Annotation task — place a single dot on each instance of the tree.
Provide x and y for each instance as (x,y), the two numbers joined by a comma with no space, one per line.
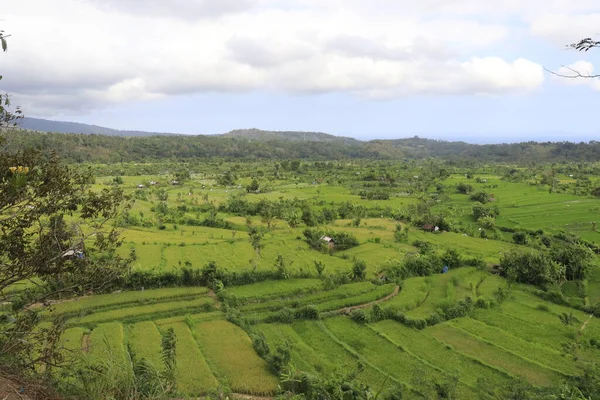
(532,266)
(253,186)
(255,236)
(464,188)
(55,236)
(359,270)
(320,267)
(7,118)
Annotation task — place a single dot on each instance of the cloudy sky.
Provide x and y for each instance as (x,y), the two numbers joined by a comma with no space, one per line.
(452,69)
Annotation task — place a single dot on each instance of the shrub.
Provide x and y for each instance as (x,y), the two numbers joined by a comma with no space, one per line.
(377,313)
(482,303)
(464,188)
(520,238)
(307,312)
(452,258)
(358,315)
(259,342)
(285,315)
(481,197)
(359,269)
(280,358)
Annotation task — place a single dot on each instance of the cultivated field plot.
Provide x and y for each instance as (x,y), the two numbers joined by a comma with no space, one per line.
(229,349)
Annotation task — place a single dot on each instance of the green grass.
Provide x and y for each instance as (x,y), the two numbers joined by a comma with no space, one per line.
(192,373)
(422,345)
(412,294)
(542,355)
(118,300)
(106,341)
(71,342)
(200,317)
(340,292)
(230,349)
(377,293)
(330,356)
(378,352)
(147,312)
(491,355)
(304,357)
(145,339)
(270,289)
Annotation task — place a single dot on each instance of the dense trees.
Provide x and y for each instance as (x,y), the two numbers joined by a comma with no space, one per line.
(113,149)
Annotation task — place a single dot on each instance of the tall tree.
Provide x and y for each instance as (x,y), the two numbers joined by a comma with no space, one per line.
(55,240)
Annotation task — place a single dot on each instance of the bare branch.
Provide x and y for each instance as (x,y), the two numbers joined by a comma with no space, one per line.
(576,73)
(582,45)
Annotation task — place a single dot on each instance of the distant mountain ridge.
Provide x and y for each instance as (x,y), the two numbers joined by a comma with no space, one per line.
(45,125)
(292,136)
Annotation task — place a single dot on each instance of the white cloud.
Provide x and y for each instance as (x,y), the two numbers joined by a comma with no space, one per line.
(84,54)
(179,9)
(581,73)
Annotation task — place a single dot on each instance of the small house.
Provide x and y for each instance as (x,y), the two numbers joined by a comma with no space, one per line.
(140,186)
(174,183)
(428,227)
(330,242)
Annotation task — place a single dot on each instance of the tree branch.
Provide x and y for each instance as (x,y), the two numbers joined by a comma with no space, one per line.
(576,73)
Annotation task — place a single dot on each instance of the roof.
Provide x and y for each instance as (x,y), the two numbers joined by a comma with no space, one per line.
(327,239)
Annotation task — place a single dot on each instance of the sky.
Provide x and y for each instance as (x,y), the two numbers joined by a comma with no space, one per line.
(468,70)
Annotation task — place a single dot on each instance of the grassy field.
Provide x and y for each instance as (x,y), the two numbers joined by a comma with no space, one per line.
(193,374)
(229,349)
(521,338)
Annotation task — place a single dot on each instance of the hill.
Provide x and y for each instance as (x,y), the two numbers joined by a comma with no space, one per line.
(291,136)
(46,125)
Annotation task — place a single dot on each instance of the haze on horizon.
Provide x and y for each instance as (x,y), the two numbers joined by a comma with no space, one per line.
(445,69)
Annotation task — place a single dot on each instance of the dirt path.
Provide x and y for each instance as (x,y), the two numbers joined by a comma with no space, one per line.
(347,310)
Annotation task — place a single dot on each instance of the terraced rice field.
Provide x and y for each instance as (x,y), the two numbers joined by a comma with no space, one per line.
(497,346)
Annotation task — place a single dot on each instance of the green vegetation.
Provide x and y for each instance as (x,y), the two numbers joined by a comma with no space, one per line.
(168,267)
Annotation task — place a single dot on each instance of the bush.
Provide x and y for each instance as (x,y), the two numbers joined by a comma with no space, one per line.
(483,303)
(259,342)
(520,238)
(285,315)
(307,312)
(452,258)
(481,197)
(464,188)
(359,270)
(358,315)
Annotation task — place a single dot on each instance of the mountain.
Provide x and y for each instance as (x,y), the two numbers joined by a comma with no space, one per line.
(46,125)
(290,136)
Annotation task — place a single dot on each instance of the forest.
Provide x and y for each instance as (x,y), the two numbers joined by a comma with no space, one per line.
(115,149)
